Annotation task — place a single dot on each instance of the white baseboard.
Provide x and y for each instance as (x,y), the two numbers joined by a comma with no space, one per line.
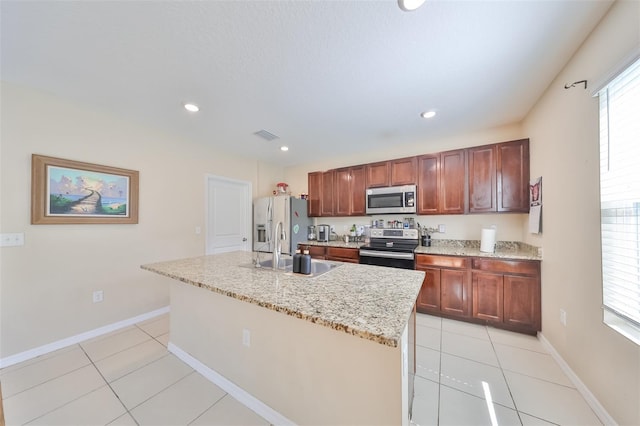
(54,346)
(244,397)
(593,402)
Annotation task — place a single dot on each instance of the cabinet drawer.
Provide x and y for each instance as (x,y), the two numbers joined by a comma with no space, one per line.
(523,267)
(344,253)
(442,261)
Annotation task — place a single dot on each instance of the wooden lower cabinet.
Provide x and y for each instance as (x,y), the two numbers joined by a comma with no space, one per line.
(522,302)
(488,296)
(343,254)
(501,293)
(446,286)
(316,252)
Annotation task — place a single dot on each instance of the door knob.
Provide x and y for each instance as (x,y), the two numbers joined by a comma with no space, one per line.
(244,239)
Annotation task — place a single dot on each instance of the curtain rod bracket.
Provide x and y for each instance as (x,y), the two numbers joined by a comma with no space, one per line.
(569,86)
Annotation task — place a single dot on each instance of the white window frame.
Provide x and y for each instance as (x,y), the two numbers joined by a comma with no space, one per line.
(619,284)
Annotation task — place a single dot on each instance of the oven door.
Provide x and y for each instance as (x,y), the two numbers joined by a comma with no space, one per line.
(393,259)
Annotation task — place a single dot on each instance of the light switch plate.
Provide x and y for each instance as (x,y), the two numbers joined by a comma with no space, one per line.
(12,240)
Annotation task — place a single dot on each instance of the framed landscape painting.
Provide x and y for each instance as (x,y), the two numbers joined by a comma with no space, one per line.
(73,192)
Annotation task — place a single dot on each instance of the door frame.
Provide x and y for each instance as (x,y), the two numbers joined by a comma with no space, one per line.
(248,187)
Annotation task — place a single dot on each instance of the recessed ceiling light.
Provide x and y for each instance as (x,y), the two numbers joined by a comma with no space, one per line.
(191,107)
(284,148)
(428,114)
(410,5)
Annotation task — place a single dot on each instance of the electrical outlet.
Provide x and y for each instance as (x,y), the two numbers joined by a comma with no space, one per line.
(442,229)
(563,317)
(198,230)
(540,251)
(98,296)
(332,228)
(246,337)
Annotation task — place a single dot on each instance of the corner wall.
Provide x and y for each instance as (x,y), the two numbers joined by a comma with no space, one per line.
(46,285)
(564,132)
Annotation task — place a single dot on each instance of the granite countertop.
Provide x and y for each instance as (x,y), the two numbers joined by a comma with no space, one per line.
(471,248)
(371,302)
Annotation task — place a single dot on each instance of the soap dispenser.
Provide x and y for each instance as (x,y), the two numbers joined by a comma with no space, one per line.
(305,263)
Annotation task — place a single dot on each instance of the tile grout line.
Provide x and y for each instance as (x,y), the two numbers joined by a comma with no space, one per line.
(504,377)
(46,381)
(68,402)
(209,407)
(112,390)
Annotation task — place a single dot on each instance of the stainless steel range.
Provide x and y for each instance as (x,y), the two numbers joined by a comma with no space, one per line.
(391,247)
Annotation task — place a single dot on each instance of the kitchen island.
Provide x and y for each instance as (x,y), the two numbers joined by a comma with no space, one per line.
(332,349)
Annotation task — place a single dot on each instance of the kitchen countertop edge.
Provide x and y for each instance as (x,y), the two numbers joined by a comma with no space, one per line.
(391,340)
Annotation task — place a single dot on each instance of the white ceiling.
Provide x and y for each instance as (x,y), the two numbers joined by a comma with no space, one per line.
(327,77)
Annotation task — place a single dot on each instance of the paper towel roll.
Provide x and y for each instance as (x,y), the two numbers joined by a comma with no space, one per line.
(488,240)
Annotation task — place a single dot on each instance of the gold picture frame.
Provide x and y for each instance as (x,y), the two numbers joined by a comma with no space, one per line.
(74,192)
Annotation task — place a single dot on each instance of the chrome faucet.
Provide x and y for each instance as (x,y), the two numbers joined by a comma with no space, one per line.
(277,247)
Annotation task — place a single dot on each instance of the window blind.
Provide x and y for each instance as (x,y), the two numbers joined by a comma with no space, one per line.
(620,196)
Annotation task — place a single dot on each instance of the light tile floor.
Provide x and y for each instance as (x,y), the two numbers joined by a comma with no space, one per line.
(461,366)
(123,378)
(127,377)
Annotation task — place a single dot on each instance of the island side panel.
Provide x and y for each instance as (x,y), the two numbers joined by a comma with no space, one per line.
(309,373)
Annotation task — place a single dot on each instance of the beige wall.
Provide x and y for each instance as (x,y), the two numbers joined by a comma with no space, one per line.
(510,226)
(46,285)
(321,376)
(563,128)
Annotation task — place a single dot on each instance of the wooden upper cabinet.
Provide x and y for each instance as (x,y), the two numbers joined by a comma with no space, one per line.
(342,192)
(377,174)
(349,192)
(327,198)
(513,176)
(482,179)
(441,183)
(358,190)
(499,177)
(315,193)
(403,171)
(428,184)
(452,182)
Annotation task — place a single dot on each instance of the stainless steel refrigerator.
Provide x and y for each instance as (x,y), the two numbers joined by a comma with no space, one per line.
(268,211)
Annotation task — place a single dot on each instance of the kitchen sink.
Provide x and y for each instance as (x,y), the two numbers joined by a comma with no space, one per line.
(318,267)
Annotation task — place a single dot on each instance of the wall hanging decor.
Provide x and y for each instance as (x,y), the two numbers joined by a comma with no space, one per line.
(73,192)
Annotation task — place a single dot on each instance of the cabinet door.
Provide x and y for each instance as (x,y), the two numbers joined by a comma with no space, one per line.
(454,292)
(482,179)
(488,296)
(358,189)
(522,302)
(513,176)
(342,192)
(452,182)
(315,193)
(326,200)
(403,171)
(429,297)
(428,184)
(377,174)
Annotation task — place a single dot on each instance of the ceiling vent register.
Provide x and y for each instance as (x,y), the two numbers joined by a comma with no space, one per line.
(266,135)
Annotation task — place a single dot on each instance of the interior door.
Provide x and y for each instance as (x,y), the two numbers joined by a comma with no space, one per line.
(228,215)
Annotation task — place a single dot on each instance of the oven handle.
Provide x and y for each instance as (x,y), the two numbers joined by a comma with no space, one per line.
(387,254)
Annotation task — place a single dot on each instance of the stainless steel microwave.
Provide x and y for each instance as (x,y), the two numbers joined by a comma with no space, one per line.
(392,199)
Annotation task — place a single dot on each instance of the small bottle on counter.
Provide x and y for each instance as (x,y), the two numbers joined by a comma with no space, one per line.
(297,261)
(305,263)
